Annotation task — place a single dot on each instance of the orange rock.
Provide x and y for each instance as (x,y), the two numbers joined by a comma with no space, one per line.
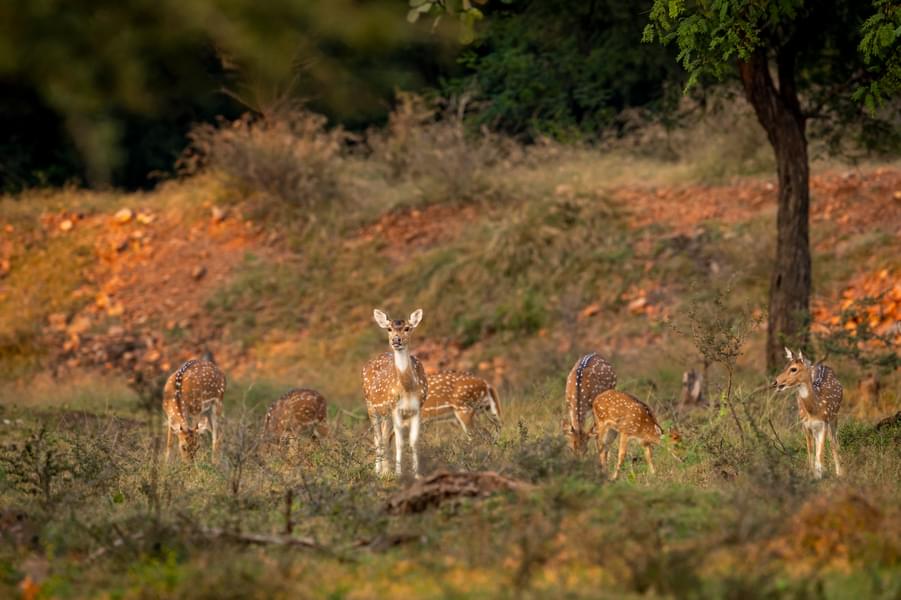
(124,215)
(637,306)
(590,310)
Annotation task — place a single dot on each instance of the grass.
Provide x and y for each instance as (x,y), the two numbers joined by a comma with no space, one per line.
(116,522)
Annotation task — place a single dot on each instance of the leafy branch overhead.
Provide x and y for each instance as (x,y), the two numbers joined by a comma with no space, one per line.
(463,10)
(881,49)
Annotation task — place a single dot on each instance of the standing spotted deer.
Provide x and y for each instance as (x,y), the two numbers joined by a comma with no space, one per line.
(395,388)
(590,376)
(618,412)
(192,402)
(819,399)
(296,412)
(460,396)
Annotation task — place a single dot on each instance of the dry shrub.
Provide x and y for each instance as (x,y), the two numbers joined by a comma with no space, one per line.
(431,145)
(717,140)
(835,529)
(286,154)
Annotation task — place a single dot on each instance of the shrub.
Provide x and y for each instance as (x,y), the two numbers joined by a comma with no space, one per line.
(287,154)
(431,146)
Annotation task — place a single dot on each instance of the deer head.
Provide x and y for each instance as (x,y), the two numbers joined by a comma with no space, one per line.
(795,373)
(399,331)
(577,440)
(189,439)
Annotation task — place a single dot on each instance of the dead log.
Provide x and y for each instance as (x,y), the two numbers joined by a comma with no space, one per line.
(444,486)
(888,422)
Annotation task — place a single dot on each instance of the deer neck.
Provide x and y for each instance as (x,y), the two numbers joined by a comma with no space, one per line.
(403,367)
(806,394)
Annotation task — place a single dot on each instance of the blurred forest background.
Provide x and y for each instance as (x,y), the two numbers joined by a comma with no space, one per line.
(105,93)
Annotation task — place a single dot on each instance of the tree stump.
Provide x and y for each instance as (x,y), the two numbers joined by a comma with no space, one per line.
(868,392)
(692,389)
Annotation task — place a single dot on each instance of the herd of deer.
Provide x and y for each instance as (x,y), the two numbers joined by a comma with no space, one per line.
(400,397)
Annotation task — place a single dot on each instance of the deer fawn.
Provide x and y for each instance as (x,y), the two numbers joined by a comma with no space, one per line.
(618,412)
(590,376)
(460,396)
(395,387)
(819,398)
(296,412)
(192,401)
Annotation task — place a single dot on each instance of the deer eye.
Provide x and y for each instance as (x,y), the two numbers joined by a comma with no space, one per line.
(407,329)
(793,369)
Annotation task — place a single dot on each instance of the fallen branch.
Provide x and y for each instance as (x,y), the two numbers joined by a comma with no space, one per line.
(260,538)
(443,486)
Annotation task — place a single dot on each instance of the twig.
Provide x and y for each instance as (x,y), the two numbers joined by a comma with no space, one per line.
(781,446)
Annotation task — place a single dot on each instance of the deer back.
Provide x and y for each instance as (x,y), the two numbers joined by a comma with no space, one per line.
(295,410)
(826,399)
(590,376)
(196,387)
(626,414)
(452,391)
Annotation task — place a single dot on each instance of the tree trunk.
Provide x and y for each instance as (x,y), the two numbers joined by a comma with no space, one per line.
(779,112)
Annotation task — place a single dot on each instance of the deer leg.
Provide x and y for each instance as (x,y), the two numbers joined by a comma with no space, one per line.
(215,416)
(808,437)
(608,438)
(820,442)
(414,440)
(379,442)
(602,449)
(621,455)
(398,441)
(647,455)
(464,418)
(214,433)
(833,444)
(168,441)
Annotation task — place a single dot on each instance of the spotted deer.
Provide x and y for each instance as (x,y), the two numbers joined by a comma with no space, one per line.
(460,396)
(819,400)
(620,413)
(192,402)
(395,388)
(296,412)
(590,376)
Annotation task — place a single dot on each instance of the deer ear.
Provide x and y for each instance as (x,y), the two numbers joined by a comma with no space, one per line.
(381,318)
(789,355)
(802,359)
(416,317)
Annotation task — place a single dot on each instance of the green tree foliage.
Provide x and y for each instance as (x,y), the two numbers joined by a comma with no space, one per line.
(564,68)
(134,74)
(796,61)
(881,48)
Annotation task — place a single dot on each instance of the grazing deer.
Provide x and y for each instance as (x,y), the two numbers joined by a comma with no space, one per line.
(819,399)
(192,401)
(297,411)
(460,396)
(590,376)
(618,412)
(395,388)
